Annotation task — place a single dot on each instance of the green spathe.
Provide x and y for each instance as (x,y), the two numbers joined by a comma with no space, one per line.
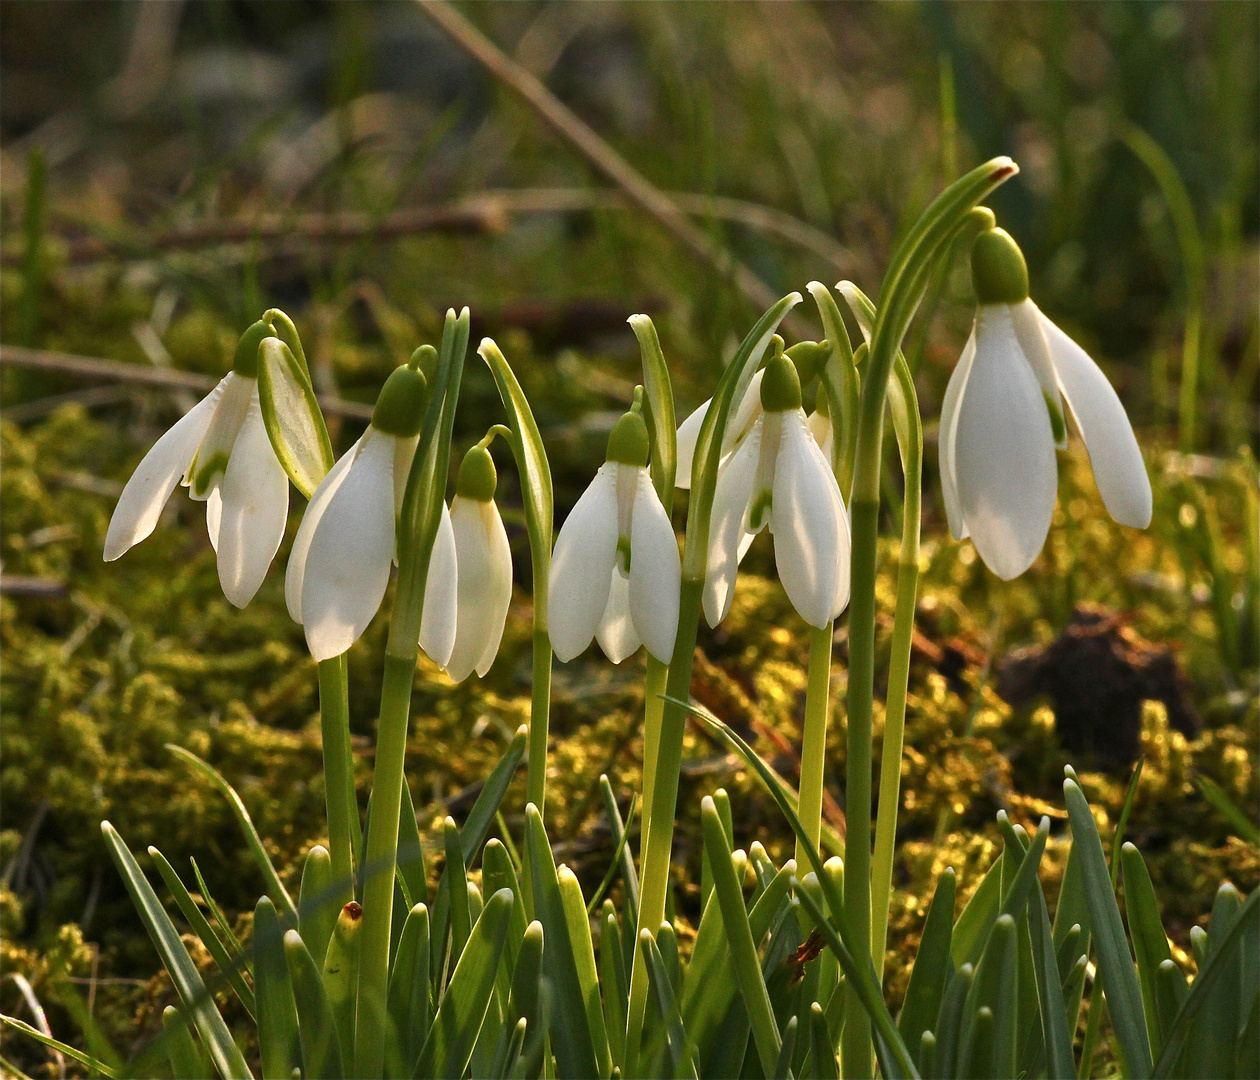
(780,386)
(400,408)
(998,270)
(245,362)
(628,441)
(477,476)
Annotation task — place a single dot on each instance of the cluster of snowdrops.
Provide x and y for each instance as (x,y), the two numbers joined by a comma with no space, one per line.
(370,972)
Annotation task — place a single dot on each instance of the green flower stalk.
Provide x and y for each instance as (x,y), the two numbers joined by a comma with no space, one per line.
(903,285)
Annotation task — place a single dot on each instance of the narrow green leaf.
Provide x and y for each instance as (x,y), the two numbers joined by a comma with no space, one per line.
(1216,1028)
(1239,820)
(56,1044)
(579,927)
(826,1067)
(949,1022)
(571,1040)
(292,416)
(739,936)
(1247,1055)
(1115,963)
(1150,943)
(932,964)
(341,977)
(215,946)
(410,1002)
(1056,1026)
(991,1052)
(927,1054)
(659,399)
(841,384)
(186,1060)
(515,1044)
(783,1063)
(498,872)
(527,1000)
(237,949)
(224,1053)
(320,901)
(481,816)
(616,862)
(980,1065)
(275,889)
(1220,965)
(456,878)
(620,830)
(277,1015)
(680,1052)
(972,929)
(459,1018)
(317,1025)
(615,986)
(1171,990)
(411,864)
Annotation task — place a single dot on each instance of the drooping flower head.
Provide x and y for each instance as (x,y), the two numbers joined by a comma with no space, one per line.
(1003,417)
(221,452)
(339,566)
(779,478)
(484,562)
(615,571)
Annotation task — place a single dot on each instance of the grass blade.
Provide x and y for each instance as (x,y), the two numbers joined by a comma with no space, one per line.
(1239,820)
(317,1027)
(410,1002)
(181,1048)
(277,1015)
(1115,963)
(579,927)
(680,1054)
(224,1053)
(932,964)
(481,816)
(56,1044)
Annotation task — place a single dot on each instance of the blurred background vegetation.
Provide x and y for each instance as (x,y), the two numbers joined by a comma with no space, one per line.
(168,170)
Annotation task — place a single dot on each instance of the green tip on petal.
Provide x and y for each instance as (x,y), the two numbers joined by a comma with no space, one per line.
(400,408)
(998,270)
(809,358)
(477,476)
(780,386)
(628,441)
(245,362)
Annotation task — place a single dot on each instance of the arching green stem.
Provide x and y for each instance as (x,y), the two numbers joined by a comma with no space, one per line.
(899,296)
(344,832)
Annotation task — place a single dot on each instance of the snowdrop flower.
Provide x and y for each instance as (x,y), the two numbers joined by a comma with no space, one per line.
(484,563)
(737,427)
(615,571)
(339,566)
(1003,416)
(778,477)
(221,452)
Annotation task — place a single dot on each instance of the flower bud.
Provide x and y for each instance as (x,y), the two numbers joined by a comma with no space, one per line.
(628,442)
(245,362)
(781,386)
(400,408)
(998,271)
(477,476)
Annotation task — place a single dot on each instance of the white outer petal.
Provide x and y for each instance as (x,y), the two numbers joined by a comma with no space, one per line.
(726,534)
(441,595)
(737,426)
(347,564)
(582,566)
(1113,448)
(655,572)
(296,570)
(484,562)
(616,632)
(220,436)
(946,439)
(807,522)
(1004,450)
(140,504)
(214,515)
(1028,330)
(255,493)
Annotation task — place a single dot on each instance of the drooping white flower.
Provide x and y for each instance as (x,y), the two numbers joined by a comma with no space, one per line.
(484,562)
(778,477)
(339,566)
(615,571)
(737,427)
(1002,418)
(221,452)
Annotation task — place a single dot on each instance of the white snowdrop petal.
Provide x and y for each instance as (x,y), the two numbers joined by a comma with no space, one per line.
(215,451)
(347,563)
(484,585)
(688,434)
(843,556)
(738,424)
(1004,450)
(404,451)
(945,440)
(255,494)
(441,595)
(582,566)
(214,515)
(726,533)
(655,572)
(1028,332)
(140,504)
(1113,448)
(296,570)
(616,633)
(805,521)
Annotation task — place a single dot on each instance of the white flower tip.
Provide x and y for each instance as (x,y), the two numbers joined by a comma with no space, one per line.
(639,320)
(116,546)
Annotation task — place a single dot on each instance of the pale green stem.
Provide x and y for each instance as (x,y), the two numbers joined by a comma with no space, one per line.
(899,296)
(653,710)
(814,738)
(539,714)
(344,836)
